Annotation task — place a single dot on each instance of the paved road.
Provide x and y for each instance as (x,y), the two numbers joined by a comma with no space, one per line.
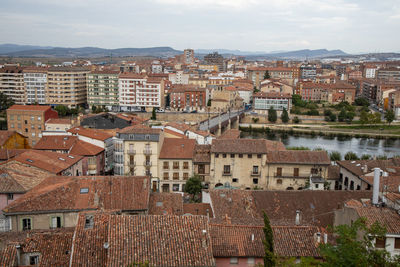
(204,126)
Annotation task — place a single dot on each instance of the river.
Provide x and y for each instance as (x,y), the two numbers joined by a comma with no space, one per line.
(360,146)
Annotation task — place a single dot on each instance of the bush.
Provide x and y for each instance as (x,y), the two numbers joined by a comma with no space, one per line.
(313,112)
(296,120)
(351,156)
(335,156)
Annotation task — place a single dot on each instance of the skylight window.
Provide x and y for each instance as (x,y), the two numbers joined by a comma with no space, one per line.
(61,159)
(29,160)
(84,190)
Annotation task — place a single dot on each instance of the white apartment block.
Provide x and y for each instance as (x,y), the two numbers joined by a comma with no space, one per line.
(35,80)
(370,73)
(179,77)
(140,91)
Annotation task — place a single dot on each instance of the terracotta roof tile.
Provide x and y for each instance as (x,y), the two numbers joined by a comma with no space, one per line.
(50,161)
(253,146)
(230,134)
(83,148)
(6,154)
(104,193)
(202,154)
(58,121)
(175,148)
(29,107)
(298,157)
(139,129)
(5,135)
(198,209)
(166,204)
(8,256)
(247,241)
(91,133)
(56,142)
(179,126)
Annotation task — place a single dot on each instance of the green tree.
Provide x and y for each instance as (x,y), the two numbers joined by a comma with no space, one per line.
(363,117)
(297,101)
(335,156)
(255,90)
(266,75)
(355,247)
(272,116)
(342,115)
(285,116)
(255,120)
(153,115)
(365,156)
(94,108)
(350,116)
(193,187)
(269,258)
(361,101)
(296,120)
(332,117)
(377,118)
(62,110)
(351,156)
(5,101)
(389,116)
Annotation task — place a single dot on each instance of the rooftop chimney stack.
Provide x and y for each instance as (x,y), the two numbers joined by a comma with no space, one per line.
(297,221)
(375,192)
(325,238)
(318,236)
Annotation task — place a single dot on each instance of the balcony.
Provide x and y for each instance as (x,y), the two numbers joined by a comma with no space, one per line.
(132,163)
(147,151)
(284,175)
(147,163)
(131,152)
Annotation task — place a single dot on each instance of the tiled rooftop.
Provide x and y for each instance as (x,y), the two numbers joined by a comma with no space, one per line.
(298,157)
(253,146)
(176,148)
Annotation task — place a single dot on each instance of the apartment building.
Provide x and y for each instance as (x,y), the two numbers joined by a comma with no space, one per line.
(179,77)
(35,79)
(137,90)
(29,120)
(175,164)
(102,89)
(388,74)
(136,151)
(12,83)
(215,59)
(256,74)
(66,86)
(332,93)
(188,56)
(240,163)
(279,101)
(308,71)
(188,98)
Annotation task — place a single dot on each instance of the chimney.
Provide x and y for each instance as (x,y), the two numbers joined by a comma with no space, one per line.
(375,192)
(318,237)
(297,221)
(365,169)
(204,240)
(325,238)
(252,237)
(227,219)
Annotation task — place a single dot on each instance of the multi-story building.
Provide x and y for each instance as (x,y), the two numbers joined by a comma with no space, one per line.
(178,77)
(215,59)
(29,120)
(308,71)
(240,162)
(201,163)
(332,93)
(188,98)
(175,163)
(256,74)
(140,91)
(188,56)
(35,80)
(66,86)
(136,151)
(369,89)
(278,101)
(388,74)
(102,89)
(12,83)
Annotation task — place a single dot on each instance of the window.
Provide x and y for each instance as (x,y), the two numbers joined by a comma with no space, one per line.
(232,156)
(26,224)
(10,196)
(84,190)
(12,125)
(176,176)
(249,156)
(397,243)
(251,261)
(316,185)
(175,187)
(224,155)
(26,122)
(279,181)
(235,180)
(240,155)
(185,176)
(55,222)
(32,126)
(11,117)
(176,165)
(380,242)
(259,156)
(278,171)
(216,155)
(314,170)
(32,118)
(255,169)
(165,165)
(165,188)
(19,117)
(296,172)
(255,181)
(227,169)
(185,165)
(234,260)
(34,260)
(89,222)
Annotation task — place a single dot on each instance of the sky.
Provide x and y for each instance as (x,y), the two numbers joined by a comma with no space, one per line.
(247,25)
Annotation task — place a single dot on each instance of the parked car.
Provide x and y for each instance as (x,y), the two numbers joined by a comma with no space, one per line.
(160,110)
(193,111)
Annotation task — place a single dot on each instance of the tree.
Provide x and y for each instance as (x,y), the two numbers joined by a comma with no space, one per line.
(153,114)
(335,156)
(361,101)
(285,116)
(269,258)
(363,117)
(272,116)
(255,120)
(355,246)
(255,90)
(296,100)
(342,115)
(351,156)
(350,116)
(389,116)
(377,118)
(193,187)
(332,117)
(266,75)
(5,101)
(94,108)
(296,120)
(62,110)
(365,156)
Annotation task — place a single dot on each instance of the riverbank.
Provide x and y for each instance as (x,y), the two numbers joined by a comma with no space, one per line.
(325,130)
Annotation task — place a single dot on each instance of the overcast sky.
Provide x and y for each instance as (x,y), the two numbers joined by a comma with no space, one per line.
(247,25)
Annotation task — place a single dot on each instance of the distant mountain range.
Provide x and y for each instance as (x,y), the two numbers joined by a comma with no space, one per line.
(13,50)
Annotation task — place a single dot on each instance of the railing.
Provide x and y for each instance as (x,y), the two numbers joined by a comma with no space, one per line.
(132,163)
(147,163)
(284,175)
(131,151)
(147,151)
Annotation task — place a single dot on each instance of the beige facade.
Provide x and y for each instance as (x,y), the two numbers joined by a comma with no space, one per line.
(199,82)
(174,173)
(51,220)
(12,84)
(66,86)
